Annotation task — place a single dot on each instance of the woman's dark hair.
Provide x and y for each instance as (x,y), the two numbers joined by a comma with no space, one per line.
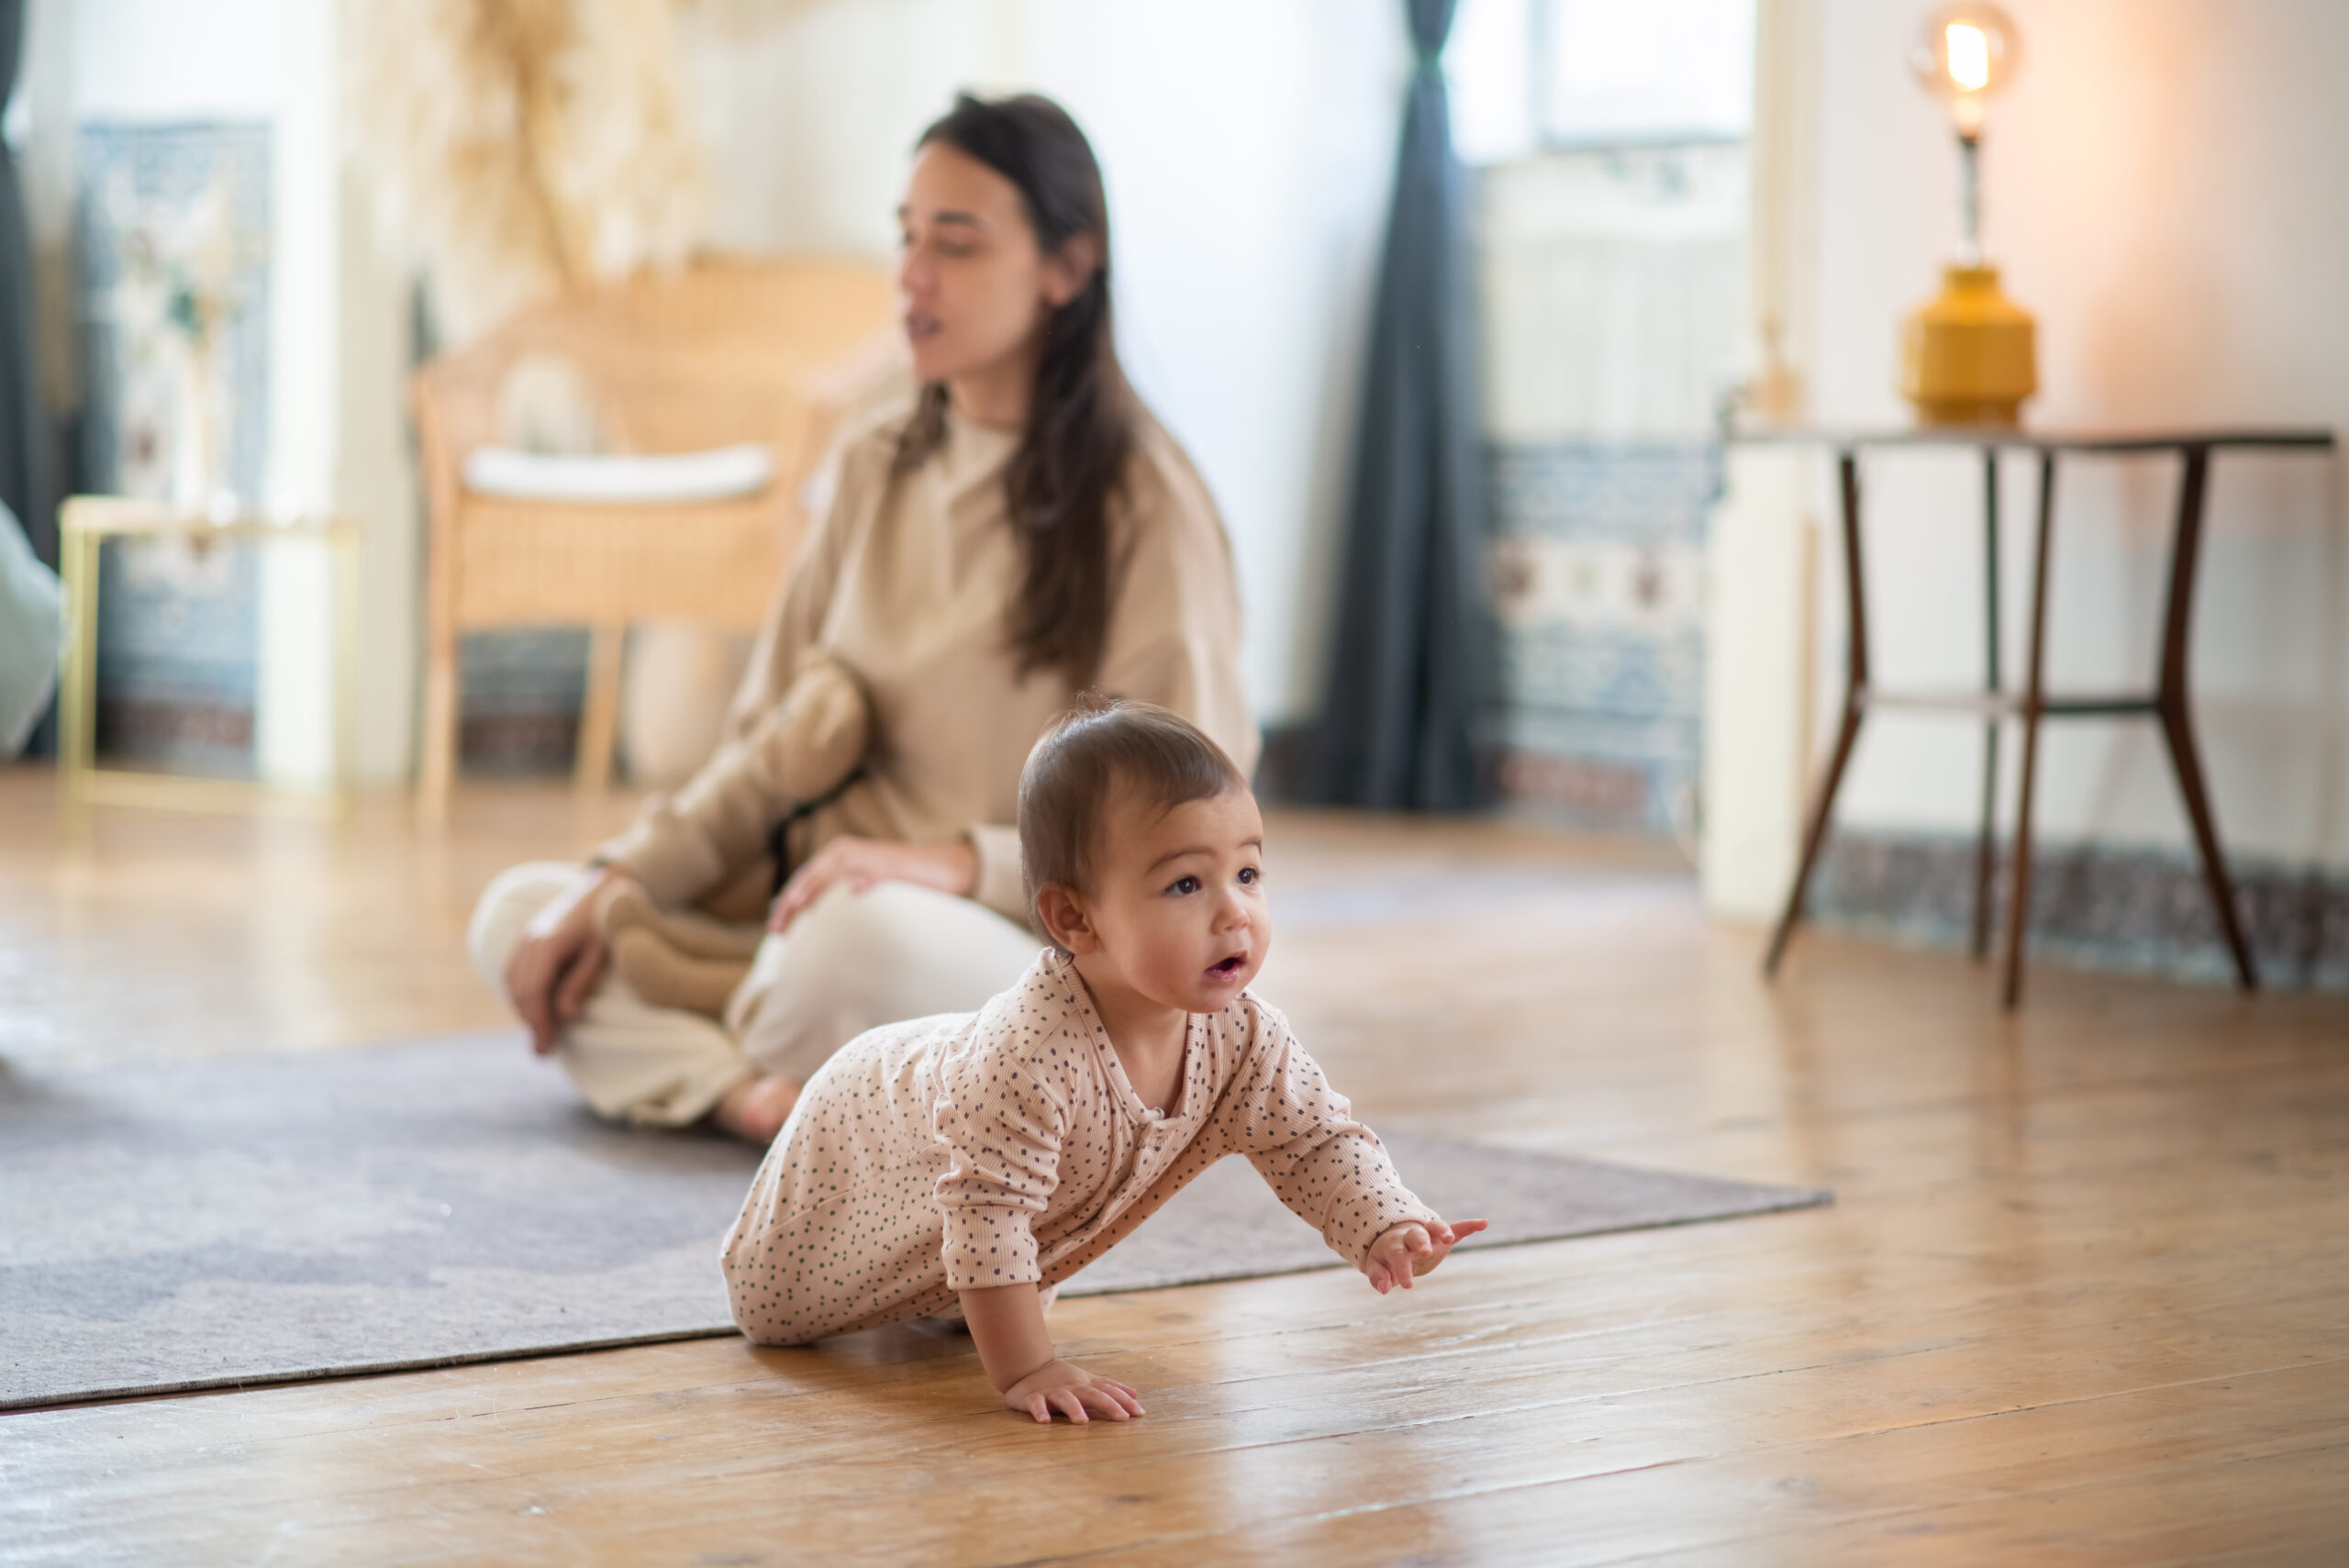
(1080,414)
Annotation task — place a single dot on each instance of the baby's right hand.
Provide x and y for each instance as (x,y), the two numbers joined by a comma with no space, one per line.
(1411,1249)
(1065,1388)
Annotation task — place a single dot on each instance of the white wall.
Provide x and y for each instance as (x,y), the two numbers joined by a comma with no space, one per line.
(1249,151)
(2163,189)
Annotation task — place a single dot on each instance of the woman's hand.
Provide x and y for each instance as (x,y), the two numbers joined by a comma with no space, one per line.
(1070,1390)
(556,964)
(951,867)
(1411,1249)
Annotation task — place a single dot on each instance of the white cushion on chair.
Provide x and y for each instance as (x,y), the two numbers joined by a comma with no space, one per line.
(716,475)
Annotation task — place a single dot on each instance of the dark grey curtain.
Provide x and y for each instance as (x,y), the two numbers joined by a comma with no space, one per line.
(25,480)
(1404,719)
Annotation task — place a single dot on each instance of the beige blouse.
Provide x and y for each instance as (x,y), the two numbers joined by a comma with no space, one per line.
(907,581)
(1007,1147)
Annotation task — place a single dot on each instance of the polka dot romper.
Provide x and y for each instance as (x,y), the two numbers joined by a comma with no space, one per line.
(1006,1147)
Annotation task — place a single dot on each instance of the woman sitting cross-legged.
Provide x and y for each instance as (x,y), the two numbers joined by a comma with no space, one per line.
(1023,531)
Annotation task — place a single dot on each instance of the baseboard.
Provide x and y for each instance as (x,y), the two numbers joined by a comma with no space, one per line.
(2138,911)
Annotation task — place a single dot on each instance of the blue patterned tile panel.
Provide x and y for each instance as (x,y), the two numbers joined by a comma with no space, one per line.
(2136,910)
(1598,576)
(1636,492)
(172,241)
(520,697)
(1606,671)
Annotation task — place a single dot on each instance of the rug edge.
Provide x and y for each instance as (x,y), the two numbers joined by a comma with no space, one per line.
(1783,1200)
(239,1381)
(1791,1200)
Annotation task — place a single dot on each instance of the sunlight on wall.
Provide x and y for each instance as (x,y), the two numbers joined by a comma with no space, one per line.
(2161,189)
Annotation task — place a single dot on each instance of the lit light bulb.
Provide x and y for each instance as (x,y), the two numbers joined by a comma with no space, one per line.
(1970,355)
(1966,52)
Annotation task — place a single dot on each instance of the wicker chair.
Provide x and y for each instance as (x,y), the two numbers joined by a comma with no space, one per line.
(725,351)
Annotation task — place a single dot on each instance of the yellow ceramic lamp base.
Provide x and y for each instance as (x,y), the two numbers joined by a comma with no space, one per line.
(1969,356)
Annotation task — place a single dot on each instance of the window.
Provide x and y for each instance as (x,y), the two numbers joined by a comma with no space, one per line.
(1542,75)
(1610,240)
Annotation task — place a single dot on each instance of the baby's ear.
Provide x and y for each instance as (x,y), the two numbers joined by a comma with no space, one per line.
(1062,910)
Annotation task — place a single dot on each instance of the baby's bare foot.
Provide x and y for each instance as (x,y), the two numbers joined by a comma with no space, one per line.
(755,1111)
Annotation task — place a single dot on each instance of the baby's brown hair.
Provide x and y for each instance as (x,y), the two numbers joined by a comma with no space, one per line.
(1100,744)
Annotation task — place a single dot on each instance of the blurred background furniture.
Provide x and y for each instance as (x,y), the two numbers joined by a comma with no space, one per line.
(721,353)
(84,524)
(2166,703)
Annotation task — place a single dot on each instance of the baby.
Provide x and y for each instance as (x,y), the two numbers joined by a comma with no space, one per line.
(968,1164)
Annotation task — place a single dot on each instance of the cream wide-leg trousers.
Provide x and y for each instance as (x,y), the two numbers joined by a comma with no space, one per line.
(850,962)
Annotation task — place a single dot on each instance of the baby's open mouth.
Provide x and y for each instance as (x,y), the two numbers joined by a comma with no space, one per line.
(1229,967)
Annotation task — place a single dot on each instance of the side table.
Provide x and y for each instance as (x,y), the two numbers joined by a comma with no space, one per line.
(2166,703)
(85,523)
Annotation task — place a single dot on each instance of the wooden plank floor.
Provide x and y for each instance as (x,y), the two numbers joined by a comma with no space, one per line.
(2085,1298)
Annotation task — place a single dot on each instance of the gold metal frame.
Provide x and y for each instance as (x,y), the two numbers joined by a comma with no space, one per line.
(85,523)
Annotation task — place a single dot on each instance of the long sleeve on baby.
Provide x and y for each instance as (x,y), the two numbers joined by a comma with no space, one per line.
(1003,1131)
(1302,1136)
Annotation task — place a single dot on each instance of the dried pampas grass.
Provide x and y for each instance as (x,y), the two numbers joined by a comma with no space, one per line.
(521,146)
(743,19)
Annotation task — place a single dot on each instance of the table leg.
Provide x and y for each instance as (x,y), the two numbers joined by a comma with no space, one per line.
(437,768)
(2178,727)
(1855,681)
(1985,847)
(342,550)
(2035,696)
(77,707)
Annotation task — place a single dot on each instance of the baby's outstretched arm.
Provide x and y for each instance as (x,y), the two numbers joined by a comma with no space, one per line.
(1007,1325)
(1409,1250)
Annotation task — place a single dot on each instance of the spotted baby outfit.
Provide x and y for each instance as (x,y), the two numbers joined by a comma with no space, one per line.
(1007,1147)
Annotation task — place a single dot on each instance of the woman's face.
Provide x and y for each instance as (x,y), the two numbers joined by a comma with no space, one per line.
(974,286)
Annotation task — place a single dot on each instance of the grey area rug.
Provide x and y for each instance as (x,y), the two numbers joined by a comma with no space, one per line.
(262,1219)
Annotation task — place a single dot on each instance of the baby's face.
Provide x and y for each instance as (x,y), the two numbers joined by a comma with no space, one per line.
(1178,904)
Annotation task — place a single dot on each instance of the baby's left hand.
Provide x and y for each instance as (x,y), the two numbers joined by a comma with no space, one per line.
(1411,1249)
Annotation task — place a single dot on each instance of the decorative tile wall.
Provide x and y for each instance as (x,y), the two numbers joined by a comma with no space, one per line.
(520,700)
(173,223)
(2139,911)
(1598,578)
(1612,294)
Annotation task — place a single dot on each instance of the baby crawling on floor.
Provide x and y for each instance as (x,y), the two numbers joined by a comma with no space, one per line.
(966,1164)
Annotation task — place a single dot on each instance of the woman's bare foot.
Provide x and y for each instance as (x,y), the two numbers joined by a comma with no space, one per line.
(755,1111)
